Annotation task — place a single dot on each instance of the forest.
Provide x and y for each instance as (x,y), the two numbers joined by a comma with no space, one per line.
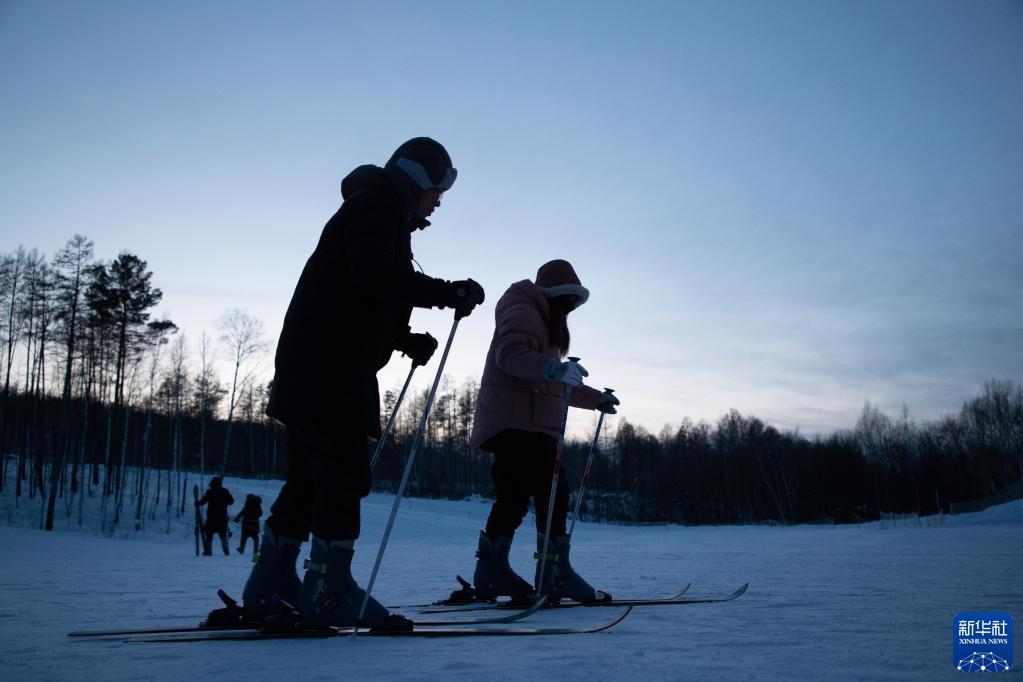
(100,399)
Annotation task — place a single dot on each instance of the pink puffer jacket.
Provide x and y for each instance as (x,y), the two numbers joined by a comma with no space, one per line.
(513,393)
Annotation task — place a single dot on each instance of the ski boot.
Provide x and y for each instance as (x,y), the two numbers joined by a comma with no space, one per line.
(331,597)
(560,581)
(273,578)
(494,576)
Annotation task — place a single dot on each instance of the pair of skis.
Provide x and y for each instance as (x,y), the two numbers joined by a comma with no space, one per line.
(420,629)
(243,626)
(474,627)
(479,626)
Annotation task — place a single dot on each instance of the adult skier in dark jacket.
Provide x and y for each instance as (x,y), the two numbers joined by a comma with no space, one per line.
(219,499)
(349,313)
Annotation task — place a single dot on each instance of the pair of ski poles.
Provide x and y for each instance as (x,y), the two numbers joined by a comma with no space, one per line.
(415,448)
(557,473)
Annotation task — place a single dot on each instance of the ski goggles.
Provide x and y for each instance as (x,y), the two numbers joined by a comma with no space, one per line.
(415,170)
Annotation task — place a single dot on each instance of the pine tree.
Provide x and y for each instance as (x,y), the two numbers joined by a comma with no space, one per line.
(71,264)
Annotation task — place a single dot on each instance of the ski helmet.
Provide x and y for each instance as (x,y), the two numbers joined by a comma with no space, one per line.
(426,162)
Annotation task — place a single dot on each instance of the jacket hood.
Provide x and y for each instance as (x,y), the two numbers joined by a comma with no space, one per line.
(366,176)
(524,293)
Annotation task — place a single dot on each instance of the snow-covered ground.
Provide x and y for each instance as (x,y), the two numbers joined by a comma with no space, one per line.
(824,602)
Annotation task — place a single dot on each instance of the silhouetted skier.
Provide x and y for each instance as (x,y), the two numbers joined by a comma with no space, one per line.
(518,418)
(249,517)
(349,313)
(219,499)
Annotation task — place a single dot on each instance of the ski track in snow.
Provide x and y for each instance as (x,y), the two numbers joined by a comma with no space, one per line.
(836,603)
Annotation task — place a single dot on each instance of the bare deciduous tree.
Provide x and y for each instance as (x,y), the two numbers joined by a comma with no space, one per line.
(11,282)
(243,337)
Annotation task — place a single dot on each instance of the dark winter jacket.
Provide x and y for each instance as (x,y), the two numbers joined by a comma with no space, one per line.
(219,499)
(351,307)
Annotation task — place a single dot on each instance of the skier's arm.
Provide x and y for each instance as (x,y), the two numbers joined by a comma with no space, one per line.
(516,346)
(585,397)
(202,500)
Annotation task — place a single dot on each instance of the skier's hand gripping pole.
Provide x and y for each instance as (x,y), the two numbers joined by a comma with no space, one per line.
(408,470)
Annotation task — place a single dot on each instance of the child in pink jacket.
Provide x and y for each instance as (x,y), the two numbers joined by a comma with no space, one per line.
(518,419)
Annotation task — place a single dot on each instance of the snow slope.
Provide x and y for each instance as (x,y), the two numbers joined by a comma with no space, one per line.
(843,603)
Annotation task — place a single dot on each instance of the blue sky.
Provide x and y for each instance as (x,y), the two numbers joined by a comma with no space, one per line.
(788,208)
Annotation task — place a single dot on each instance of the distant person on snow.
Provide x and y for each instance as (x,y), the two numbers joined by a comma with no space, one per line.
(349,313)
(518,418)
(219,499)
(249,517)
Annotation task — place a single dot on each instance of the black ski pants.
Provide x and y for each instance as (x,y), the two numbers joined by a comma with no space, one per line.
(523,468)
(250,529)
(208,532)
(328,475)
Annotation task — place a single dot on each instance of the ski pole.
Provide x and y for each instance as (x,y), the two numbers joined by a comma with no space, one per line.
(586,471)
(390,421)
(554,485)
(408,470)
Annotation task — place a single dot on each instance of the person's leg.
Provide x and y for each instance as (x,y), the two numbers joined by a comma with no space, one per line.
(339,466)
(493,575)
(560,581)
(223,541)
(291,512)
(512,487)
(273,576)
(539,451)
(339,459)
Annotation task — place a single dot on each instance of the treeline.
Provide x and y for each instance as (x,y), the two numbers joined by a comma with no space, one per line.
(741,470)
(99,398)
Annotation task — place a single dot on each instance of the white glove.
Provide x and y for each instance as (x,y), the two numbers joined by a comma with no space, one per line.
(570,373)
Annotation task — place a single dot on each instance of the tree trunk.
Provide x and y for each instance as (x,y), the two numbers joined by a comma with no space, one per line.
(142,470)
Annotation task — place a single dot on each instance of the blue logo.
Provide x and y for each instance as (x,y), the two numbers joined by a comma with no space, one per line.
(982,642)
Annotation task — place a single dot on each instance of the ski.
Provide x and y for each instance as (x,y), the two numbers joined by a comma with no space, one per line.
(162,630)
(369,632)
(614,602)
(242,627)
(446,605)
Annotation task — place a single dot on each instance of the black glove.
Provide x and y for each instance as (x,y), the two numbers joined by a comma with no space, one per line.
(608,401)
(466,294)
(419,347)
